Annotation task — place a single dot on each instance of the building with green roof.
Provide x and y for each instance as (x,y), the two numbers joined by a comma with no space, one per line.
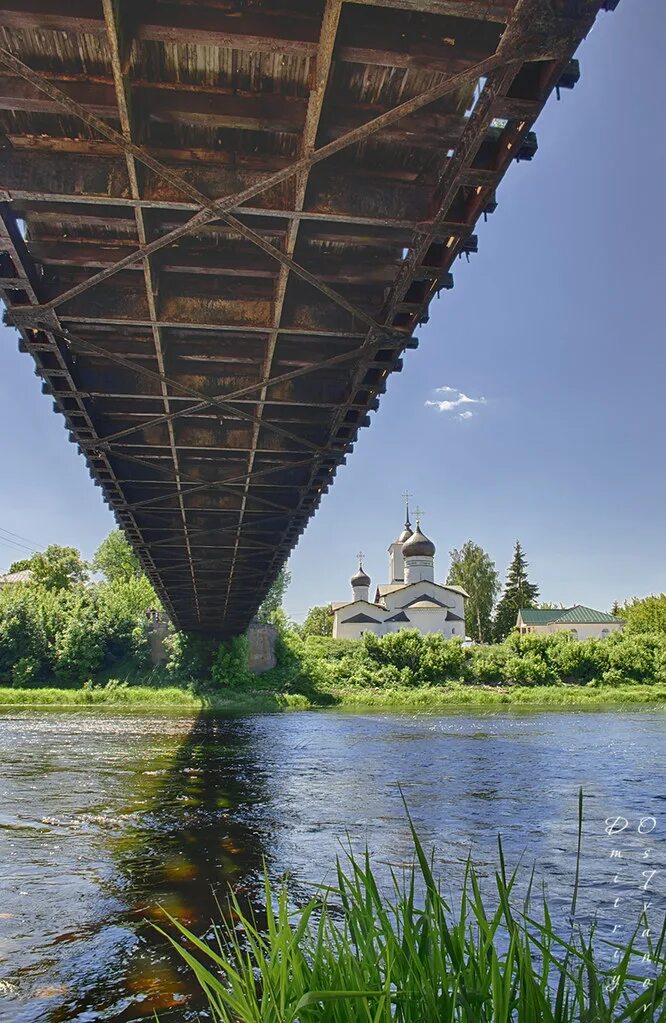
(583,622)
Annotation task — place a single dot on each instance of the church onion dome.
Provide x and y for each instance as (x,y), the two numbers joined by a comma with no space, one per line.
(405,535)
(360,579)
(418,545)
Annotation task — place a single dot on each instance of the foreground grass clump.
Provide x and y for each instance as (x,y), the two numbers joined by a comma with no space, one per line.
(396,959)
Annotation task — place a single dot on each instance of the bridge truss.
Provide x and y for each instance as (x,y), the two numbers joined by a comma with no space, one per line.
(221,223)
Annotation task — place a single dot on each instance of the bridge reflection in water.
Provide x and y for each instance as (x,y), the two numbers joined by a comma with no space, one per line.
(186,832)
(215,358)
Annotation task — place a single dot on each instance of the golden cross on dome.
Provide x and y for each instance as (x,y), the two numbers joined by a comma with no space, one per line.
(360,557)
(419,515)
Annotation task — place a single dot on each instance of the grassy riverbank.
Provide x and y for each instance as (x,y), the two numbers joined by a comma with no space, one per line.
(260,698)
(402,670)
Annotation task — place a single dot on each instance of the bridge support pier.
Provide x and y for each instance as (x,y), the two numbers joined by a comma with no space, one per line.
(261,641)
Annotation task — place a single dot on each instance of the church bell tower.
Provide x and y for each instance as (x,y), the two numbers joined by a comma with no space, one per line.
(396,560)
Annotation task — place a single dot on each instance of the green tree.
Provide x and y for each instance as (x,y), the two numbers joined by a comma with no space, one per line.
(272,602)
(646,614)
(474,570)
(318,622)
(58,568)
(518,592)
(20,566)
(116,560)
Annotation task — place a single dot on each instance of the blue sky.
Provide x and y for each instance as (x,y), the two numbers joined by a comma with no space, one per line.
(558,323)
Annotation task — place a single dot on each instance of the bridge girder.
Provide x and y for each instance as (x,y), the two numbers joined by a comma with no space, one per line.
(220,228)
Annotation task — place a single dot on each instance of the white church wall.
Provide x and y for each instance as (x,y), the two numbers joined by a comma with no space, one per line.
(396,563)
(344,629)
(426,620)
(454,601)
(417,569)
(356,630)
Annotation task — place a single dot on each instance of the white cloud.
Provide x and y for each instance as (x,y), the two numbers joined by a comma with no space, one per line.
(453,404)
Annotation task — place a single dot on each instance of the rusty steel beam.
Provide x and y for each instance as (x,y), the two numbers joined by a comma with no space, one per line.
(123,99)
(31,197)
(327,37)
(209,106)
(222,400)
(223,485)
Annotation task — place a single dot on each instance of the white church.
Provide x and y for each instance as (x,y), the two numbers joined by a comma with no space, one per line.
(410,600)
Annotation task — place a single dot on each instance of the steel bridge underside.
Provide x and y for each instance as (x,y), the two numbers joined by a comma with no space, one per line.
(221,223)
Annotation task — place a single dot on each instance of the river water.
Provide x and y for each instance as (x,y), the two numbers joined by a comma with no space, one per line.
(105,818)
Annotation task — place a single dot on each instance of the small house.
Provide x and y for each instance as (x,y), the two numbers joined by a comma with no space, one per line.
(582,622)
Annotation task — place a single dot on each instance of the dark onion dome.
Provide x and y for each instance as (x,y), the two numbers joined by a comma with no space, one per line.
(418,545)
(360,579)
(406,533)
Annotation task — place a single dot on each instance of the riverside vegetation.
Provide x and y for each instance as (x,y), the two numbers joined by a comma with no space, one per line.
(67,640)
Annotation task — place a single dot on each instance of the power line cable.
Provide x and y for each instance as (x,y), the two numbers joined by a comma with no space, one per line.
(19,536)
(16,546)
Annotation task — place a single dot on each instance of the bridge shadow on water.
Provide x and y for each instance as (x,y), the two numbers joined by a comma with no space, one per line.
(200,832)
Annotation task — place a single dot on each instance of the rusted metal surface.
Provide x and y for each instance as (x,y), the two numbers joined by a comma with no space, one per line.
(220,225)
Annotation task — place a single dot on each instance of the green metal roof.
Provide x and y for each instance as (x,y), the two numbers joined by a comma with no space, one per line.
(579,615)
(576,615)
(538,616)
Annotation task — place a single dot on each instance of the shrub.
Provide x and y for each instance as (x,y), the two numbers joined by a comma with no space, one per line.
(22,631)
(635,656)
(80,646)
(189,656)
(579,662)
(26,672)
(402,649)
(331,649)
(230,663)
(442,660)
(646,615)
(529,670)
(487,664)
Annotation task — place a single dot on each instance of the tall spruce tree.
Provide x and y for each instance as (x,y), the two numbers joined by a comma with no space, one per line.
(518,592)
